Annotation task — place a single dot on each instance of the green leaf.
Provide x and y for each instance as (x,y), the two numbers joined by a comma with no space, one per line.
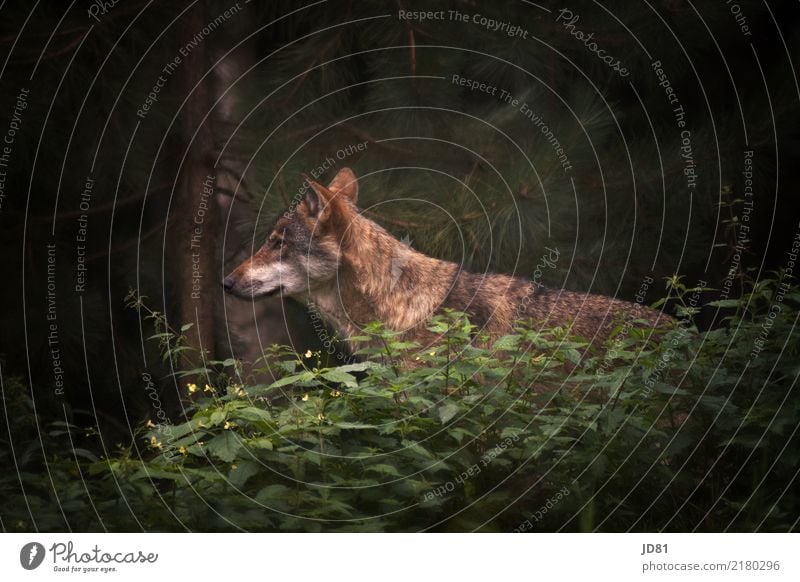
(448,411)
(260,443)
(358,367)
(272,493)
(253,414)
(725,303)
(225,446)
(293,379)
(507,342)
(216,418)
(511,432)
(415,447)
(243,470)
(354,425)
(459,433)
(336,375)
(384,469)
(85,454)
(155,472)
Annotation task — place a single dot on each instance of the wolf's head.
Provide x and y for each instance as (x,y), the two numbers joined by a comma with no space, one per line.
(303,249)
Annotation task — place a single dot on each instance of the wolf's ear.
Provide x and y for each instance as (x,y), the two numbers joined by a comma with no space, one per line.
(314,198)
(318,199)
(345,183)
(311,200)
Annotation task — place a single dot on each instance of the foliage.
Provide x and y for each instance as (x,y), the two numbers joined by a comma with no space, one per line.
(462,173)
(678,432)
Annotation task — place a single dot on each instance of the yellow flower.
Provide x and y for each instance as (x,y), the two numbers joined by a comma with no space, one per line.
(154,443)
(432,353)
(228,425)
(208,388)
(305,397)
(320,417)
(335,393)
(236,390)
(182,450)
(308,354)
(192,388)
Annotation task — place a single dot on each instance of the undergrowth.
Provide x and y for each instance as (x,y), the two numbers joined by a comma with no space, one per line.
(687,431)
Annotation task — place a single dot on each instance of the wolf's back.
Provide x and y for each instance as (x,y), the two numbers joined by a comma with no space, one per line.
(497,302)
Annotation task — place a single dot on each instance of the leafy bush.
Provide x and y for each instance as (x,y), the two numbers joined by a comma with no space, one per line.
(683,431)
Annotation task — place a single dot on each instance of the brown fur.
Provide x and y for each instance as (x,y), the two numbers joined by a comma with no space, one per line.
(349,264)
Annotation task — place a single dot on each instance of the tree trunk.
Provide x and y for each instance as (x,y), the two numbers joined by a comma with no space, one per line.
(195,211)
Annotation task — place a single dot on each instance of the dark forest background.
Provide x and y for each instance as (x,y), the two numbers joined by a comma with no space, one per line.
(263,92)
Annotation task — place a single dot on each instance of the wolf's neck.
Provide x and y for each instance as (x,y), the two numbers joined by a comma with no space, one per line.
(382,279)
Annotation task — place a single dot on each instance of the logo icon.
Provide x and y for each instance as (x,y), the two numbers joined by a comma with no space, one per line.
(31,555)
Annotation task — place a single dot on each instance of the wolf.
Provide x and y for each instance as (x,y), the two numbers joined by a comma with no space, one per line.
(325,252)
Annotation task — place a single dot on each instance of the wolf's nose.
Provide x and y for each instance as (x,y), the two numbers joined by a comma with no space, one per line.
(227,283)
